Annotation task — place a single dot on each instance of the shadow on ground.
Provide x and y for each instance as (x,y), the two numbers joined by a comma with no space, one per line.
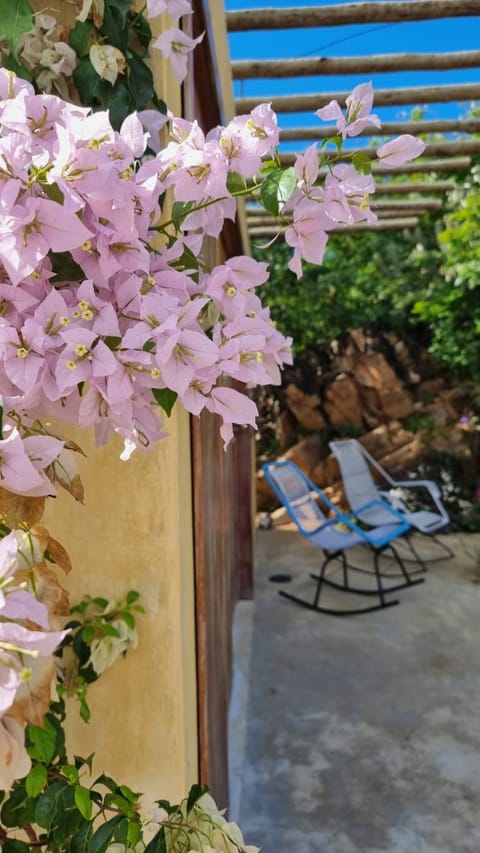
(360,734)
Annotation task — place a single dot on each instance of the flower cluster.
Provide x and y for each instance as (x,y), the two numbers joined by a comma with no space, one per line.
(26,647)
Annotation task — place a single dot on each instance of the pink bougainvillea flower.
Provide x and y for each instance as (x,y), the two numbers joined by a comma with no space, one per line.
(308,234)
(234,408)
(17,473)
(400,150)
(41,226)
(176,46)
(175,8)
(358,115)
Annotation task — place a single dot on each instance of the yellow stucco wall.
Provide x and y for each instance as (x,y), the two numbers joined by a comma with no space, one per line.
(135,531)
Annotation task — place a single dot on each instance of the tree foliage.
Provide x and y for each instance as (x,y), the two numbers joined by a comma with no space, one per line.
(427,278)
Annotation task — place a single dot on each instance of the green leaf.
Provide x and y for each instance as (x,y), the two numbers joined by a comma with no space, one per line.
(118,103)
(114,23)
(48,804)
(18,809)
(149,345)
(18,68)
(99,601)
(128,619)
(109,630)
(104,834)
(277,188)
(16,18)
(113,342)
(80,841)
(88,634)
(235,182)
(134,832)
(196,791)
(80,38)
(83,801)
(139,81)
(16,847)
(158,843)
(121,9)
(65,268)
(132,596)
(165,398)
(71,772)
(119,802)
(362,162)
(142,30)
(106,781)
(180,209)
(36,780)
(41,741)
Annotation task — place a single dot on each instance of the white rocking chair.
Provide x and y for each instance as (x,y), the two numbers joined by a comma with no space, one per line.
(356,466)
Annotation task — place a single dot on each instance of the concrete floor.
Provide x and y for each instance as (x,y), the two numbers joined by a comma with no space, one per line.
(358,734)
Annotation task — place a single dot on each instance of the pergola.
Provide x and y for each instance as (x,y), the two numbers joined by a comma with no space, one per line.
(418,187)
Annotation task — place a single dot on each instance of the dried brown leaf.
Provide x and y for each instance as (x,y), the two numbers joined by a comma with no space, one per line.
(59,555)
(17,509)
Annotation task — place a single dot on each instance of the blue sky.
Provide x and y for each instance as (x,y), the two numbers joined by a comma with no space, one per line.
(445,35)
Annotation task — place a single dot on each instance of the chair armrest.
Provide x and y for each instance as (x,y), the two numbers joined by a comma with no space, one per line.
(426,484)
(384,505)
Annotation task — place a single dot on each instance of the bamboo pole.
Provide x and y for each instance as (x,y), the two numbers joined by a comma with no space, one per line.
(349,13)
(381,225)
(382,98)
(417,128)
(457,164)
(245,69)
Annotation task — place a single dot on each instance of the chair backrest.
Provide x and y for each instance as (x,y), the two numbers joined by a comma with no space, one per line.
(358,482)
(294,490)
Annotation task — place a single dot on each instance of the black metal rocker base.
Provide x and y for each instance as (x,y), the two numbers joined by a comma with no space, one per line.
(359,591)
(380,590)
(333,612)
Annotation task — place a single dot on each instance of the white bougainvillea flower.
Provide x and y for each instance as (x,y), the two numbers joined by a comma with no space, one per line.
(95,8)
(107,61)
(14,760)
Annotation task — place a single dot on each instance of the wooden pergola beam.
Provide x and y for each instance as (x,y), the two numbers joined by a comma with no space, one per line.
(291,134)
(382,98)
(258,216)
(381,225)
(457,164)
(246,69)
(405,188)
(349,13)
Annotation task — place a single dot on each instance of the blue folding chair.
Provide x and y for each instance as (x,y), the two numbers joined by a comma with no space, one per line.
(335,534)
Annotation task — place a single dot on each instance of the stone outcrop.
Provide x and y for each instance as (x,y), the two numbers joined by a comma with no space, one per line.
(375,388)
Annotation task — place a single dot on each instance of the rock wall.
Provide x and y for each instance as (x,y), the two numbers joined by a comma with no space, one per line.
(373,387)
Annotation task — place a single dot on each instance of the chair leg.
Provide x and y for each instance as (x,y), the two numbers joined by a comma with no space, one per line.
(406,575)
(321,580)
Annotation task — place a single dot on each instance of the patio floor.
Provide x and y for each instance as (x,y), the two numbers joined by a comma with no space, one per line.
(361,733)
